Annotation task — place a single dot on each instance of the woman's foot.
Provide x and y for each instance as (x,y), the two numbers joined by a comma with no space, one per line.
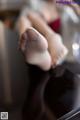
(56,48)
(35,49)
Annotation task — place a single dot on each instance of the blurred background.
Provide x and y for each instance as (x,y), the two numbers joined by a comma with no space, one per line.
(66,19)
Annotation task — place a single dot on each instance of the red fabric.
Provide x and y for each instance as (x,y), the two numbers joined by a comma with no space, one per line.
(55,25)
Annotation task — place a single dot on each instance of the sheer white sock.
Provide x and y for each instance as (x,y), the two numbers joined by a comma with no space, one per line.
(35,48)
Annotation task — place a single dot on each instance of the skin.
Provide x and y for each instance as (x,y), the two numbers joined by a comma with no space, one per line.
(49,11)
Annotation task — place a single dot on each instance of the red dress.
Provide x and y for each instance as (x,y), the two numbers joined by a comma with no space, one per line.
(55,25)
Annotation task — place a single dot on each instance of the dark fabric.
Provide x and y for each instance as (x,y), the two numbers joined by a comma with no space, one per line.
(52,94)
